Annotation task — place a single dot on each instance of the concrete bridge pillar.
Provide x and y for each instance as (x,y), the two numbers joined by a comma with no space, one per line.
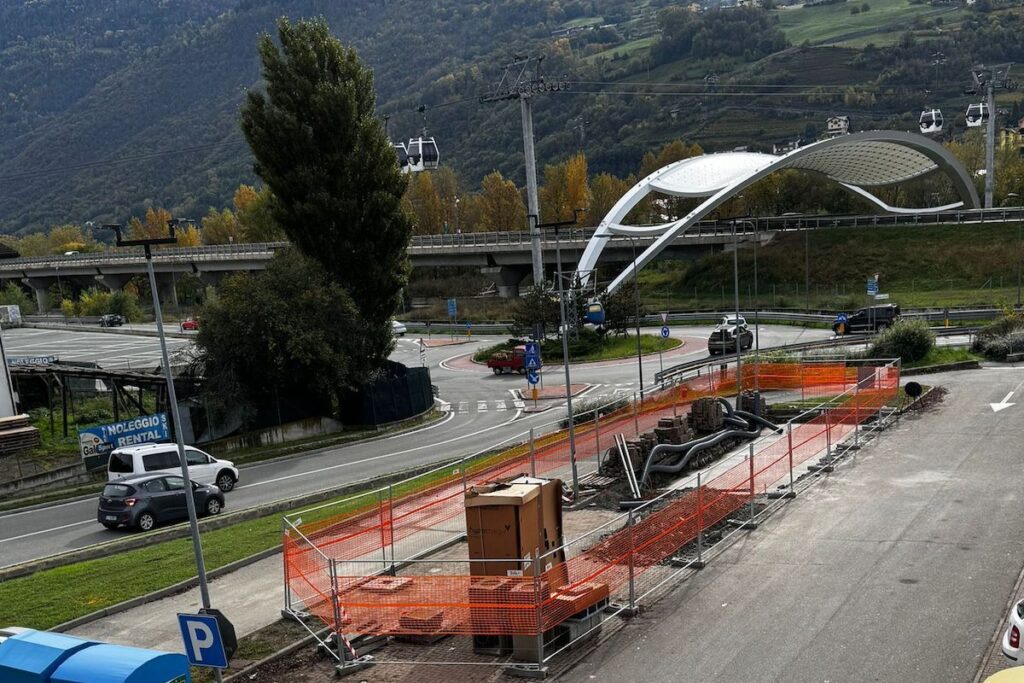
(507,278)
(166,289)
(39,287)
(114,283)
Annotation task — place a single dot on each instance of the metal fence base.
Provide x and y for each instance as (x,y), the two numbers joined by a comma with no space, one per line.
(624,611)
(349,668)
(776,495)
(746,524)
(526,671)
(295,615)
(821,468)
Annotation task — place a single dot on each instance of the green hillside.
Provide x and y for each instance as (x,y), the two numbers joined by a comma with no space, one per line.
(112,106)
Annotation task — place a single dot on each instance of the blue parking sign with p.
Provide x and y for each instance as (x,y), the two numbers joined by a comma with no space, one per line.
(203,643)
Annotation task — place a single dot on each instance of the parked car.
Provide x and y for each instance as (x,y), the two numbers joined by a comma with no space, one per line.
(111,320)
(509,361)
(189,324)
(398,329)
(1012,636)
(723,337)
(163,458)
(141,502)
(867,320)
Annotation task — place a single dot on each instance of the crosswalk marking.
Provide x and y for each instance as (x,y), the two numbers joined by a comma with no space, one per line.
(481,406)
(463,407)
(519,404)
(501,406)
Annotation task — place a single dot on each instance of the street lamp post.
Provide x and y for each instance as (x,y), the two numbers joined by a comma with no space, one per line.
(636,291)
(736,287)
(172,398)
(564,333)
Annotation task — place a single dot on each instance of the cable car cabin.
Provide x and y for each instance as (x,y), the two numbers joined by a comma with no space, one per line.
(595,312)
(931,122)
(977,114)
(423,155)
(403,156)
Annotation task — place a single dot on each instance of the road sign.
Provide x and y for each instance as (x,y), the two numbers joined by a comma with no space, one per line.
(664,316)
(664,332)
(533,349)
(532,363)
(532,376)
(204,645)
(452,308)
(881,297)
(872,286)
(841,318)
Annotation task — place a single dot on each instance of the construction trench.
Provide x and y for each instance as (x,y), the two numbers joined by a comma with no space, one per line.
(490,562)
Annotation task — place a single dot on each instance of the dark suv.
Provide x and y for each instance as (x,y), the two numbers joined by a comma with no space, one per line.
(111,320)
(867,320)
(146,499)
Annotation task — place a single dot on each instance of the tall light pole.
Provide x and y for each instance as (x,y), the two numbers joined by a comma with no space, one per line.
(172,398)
(736,287)
(564,333)
(636,291)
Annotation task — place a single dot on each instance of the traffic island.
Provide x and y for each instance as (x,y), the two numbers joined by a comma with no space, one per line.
(552,391)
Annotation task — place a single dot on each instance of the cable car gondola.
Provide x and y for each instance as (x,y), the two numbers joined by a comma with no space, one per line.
(423,155)
(403,156)
(595,312)
(931,122)
(977,114)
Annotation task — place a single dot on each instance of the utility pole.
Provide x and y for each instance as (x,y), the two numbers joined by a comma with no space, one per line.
(988,80)
(519,82)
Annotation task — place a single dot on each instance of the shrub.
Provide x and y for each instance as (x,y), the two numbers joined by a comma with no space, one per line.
(1001,337)
(909,340)
(583,410)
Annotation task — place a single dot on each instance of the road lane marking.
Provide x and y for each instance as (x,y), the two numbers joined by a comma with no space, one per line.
(379,457)
(481,406)
(46,531)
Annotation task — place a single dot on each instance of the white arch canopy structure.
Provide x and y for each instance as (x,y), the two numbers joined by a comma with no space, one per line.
(857,161)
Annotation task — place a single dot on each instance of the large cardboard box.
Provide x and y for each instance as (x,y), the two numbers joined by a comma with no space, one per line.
(510,522)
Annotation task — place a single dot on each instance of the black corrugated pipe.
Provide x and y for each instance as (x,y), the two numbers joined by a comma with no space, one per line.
(759,420)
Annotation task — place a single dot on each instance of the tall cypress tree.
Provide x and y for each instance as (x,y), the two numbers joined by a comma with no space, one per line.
(336,184)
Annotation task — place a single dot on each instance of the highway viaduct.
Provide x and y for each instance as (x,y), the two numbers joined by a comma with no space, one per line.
(502,256)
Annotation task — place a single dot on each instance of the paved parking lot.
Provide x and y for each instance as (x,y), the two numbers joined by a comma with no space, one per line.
(108,350)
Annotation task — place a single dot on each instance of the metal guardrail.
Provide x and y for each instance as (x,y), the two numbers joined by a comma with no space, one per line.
(850,340)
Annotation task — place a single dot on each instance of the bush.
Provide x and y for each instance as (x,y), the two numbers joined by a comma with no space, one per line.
(908,340)
(1001,337)
(583,410)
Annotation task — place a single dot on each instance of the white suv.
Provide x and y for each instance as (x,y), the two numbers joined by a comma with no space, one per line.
(163,457)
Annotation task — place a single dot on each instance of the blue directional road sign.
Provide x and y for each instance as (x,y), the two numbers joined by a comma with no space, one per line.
(532,376)
(872,286)
(532,363)
(203,643)
(841,318)
(533,349)
(452,309)
(664,333)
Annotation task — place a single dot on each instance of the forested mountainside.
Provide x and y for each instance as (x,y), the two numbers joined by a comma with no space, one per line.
(108,107)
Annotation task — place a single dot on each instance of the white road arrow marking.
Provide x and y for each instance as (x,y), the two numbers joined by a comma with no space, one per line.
(996,407)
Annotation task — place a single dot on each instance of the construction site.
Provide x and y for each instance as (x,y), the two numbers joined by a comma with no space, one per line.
(513,559)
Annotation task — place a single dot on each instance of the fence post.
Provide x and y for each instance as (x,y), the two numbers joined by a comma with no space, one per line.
(465,483)
(750,457)
(383,534)
(533,456)
(632,570)
(856,416)
(636,416)
(792,491)
(597,435)
(540,608)
(287,591)
(342,653)
(391,524)
(700,524)
(828,437)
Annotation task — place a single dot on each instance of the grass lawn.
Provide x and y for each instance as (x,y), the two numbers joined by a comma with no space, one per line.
(944,354)
(628,49)
(819,24)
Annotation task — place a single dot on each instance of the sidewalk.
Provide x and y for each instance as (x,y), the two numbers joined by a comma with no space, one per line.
(251,598)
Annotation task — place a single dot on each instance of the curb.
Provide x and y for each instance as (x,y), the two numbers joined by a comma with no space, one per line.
(944,367)
(107,330)
(283,652)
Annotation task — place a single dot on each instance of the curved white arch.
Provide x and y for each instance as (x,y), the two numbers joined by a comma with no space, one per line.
(868,159)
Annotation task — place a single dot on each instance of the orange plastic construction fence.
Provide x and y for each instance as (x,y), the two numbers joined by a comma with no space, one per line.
(479,605)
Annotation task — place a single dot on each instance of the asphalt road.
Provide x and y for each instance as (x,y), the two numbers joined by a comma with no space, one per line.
(896,568)
(489,419)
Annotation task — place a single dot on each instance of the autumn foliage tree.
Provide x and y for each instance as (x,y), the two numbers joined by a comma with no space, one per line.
(501,204)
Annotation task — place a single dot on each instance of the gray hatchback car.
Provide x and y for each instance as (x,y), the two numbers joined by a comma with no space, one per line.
(145,500)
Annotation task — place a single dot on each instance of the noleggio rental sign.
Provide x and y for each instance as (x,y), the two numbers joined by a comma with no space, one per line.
(97,442)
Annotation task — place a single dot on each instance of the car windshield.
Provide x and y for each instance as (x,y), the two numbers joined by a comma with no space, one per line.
(734,321)
(117,490)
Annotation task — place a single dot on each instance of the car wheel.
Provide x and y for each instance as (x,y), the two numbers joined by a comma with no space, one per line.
(225,481)
(146,521)
(497,371)
(110,525)
(213,506)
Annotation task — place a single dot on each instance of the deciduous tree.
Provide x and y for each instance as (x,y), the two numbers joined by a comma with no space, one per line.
(501,204)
